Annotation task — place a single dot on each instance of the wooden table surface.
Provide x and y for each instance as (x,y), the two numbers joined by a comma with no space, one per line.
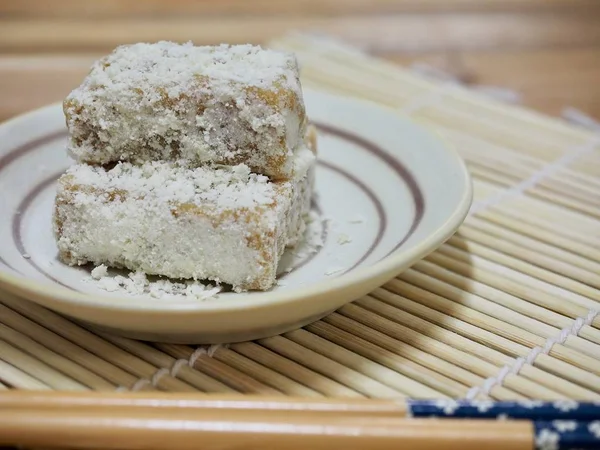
(546,50)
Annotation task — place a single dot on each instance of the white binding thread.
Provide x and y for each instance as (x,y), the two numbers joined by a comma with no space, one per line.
(197,354)
(573,115)
(529,359)
(174,370)
(177,365)
(538,176)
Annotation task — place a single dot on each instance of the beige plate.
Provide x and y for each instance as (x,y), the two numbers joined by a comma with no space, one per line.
(392,193)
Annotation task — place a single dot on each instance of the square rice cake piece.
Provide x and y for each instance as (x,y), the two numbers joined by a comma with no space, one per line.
(223,224)
(225,104)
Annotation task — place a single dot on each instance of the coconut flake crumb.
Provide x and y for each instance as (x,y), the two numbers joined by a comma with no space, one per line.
(344,239)
(99,272)
(26,255)
(313,237)
(138,284)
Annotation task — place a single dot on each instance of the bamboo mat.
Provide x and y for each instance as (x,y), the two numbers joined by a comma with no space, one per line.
(507,309)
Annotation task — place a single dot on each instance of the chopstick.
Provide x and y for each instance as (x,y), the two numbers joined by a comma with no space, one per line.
(180,421)
(125,429)
(199,401)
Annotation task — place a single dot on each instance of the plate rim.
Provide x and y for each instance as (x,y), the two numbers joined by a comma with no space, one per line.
(31,289)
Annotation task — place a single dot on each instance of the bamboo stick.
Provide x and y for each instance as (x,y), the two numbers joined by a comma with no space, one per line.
(334,370)
(550,382)
(217,370)
(573,305)
(470,362)
(495,159)
(573,204)
(485,284)
(403,385)
(531,255)
(52,341)
(430,361)
(54,360)
(499,179)
(547,363)
(495,310)
(388,72)
(292,370)
(532,243)
(333,61)
(550,216)
(435,380)
(18,379)
(264,374)
(495,156)
(513,303)
(474,310)
(38,369)
(548,188)
(504,320)
(550,237)
(93,343)
(196,379)
(574,294)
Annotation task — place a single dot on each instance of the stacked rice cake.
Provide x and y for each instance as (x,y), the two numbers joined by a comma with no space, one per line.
(209,104)
(192,162)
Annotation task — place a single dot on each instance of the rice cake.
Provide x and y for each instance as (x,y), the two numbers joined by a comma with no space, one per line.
(225,104)
(223,224)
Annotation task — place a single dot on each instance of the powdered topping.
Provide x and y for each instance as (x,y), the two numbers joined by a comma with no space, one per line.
(303,161)
(223,188)
(138,284)
(178,67)
(312,241)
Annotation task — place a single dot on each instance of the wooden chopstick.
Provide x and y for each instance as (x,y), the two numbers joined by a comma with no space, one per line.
(172,428)
(198,401)
(160,420)
(184,421)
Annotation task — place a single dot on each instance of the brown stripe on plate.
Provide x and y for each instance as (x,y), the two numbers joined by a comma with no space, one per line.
(402,171)
(18,152)
(16,224)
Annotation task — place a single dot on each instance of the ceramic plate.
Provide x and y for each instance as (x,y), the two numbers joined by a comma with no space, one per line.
(388,193)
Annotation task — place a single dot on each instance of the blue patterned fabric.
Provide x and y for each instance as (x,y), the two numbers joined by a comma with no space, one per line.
(567,435)
(487,409)
(558,425)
